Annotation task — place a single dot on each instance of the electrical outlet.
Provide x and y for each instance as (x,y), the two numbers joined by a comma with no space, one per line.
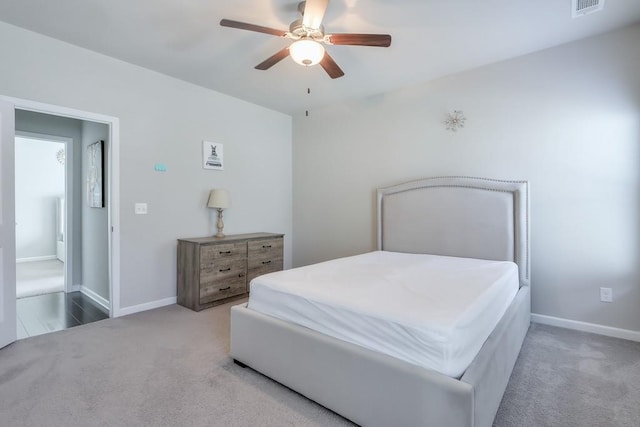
(606,294)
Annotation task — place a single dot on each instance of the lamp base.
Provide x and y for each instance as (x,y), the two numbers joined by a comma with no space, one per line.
(220,224)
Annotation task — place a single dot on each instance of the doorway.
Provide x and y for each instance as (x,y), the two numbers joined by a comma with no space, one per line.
(73,237)
(40,178)
(45,301)
(10,107)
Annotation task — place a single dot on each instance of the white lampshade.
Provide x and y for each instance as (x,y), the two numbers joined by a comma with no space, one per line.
(219,199)
(306,52)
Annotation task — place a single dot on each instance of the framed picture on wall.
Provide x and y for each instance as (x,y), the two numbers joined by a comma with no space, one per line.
(212,155)
(95,174)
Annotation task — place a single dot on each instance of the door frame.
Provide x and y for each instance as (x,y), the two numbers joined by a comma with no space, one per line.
(113,195)
(8,318)
(68,200)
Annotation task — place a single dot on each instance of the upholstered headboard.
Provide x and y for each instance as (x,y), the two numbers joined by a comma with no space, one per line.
(457,216)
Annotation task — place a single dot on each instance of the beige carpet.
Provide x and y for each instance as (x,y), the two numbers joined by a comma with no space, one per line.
(170,367)
(164,367)
(568,378)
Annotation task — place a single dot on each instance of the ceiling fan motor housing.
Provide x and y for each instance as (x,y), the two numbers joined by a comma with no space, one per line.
(299,31)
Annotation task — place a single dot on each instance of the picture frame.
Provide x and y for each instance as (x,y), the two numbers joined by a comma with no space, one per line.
(212,155)
(95,174)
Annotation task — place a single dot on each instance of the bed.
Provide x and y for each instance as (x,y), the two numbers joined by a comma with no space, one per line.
(461,217)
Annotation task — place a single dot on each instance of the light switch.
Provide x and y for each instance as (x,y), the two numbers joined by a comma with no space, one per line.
(141,208)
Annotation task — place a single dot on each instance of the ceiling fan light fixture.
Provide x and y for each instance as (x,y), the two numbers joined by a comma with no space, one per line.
(306,52)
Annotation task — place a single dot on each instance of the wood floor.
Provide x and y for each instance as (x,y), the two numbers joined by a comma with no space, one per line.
(42,314)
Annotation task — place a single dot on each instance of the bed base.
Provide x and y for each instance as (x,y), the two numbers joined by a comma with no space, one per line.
(455,216)
(373,389)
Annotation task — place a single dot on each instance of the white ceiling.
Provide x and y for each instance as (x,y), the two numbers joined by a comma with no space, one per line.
(430,39)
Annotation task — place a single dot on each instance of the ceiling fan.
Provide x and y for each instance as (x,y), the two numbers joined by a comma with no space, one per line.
(309,36)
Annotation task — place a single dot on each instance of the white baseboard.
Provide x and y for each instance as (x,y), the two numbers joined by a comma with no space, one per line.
(608,331)
(36,258)
(146,306)
(95,297)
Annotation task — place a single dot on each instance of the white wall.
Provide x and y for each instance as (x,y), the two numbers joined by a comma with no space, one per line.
(567,119)
(95,221)
(39,182)
(162,120)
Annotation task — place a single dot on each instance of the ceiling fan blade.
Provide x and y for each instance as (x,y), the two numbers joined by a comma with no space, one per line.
(378,40)
(273,59)
(252,27)
(313,14)
(331,67)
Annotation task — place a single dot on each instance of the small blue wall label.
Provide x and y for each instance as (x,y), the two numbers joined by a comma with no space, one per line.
(160,167)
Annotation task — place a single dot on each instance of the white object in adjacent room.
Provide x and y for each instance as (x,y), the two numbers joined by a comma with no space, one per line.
(60,221)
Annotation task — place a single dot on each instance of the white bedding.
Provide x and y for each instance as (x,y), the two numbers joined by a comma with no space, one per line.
(428,310)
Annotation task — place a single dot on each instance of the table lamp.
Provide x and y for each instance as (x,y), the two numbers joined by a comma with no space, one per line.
(219,199)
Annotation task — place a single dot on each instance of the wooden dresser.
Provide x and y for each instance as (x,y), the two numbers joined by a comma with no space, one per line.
(215,270)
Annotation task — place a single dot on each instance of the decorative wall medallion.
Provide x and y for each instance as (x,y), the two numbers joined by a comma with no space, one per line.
(60,156)
(455,120)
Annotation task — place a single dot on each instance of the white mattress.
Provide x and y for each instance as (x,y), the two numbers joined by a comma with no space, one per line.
(431,311)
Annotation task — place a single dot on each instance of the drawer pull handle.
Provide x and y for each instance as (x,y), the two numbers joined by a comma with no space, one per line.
(225,252)
(225,269)
(225,289)
(266,246)
(266,262)
(241,275)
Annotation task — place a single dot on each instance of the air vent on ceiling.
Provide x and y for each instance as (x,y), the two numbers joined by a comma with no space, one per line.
(585,7)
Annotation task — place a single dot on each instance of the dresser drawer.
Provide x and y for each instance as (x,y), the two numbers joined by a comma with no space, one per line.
(223,269)
(213,291)
(274,265)
(210,253)
(266,248)
(270,261)
(265,256)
